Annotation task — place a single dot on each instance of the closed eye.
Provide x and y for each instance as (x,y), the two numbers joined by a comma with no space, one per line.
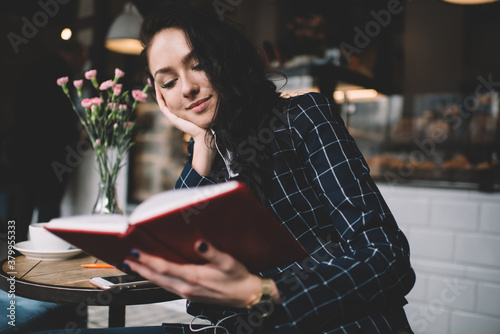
(169,84)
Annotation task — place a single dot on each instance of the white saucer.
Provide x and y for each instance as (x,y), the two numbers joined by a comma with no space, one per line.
(27,249)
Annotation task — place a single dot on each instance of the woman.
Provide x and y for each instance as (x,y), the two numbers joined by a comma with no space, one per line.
(297,157)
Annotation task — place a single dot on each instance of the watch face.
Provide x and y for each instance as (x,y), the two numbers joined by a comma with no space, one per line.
(264,308)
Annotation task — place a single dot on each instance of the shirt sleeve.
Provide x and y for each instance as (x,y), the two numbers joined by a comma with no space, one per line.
(370,267)
(189,177)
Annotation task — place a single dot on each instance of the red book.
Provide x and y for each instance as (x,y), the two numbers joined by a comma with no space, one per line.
(168,224)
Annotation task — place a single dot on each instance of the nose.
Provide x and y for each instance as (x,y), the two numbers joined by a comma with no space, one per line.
(190,87)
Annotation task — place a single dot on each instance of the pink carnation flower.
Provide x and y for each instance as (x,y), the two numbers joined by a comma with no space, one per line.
(90,74)
(119,73)
(117,89)
(78,83)
(62,81)
(122,107)
(150,84)
(96,101)
(106,85)
(139,95)
(87,103)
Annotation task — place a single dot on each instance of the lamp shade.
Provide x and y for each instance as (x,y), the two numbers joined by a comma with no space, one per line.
(470,2)
(123,35)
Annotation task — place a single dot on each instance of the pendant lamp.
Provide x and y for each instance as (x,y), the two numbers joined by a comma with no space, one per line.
(123,35)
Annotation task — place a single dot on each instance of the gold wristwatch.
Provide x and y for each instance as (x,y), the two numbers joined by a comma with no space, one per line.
(263,303)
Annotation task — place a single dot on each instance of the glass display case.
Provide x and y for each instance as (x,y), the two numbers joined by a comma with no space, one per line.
(433,139)
(439,140)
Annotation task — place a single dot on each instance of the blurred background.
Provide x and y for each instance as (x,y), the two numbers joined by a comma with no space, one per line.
(416,82)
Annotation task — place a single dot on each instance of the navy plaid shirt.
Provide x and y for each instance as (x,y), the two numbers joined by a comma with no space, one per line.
(359,270)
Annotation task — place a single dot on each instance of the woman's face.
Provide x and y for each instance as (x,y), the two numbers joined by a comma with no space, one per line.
(185,88)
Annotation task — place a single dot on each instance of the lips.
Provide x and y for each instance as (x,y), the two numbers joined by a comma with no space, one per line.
(199,105)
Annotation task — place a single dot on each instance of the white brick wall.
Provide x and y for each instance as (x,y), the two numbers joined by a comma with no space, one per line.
(454,240)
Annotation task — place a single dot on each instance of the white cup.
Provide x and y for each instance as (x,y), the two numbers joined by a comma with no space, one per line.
(44,240)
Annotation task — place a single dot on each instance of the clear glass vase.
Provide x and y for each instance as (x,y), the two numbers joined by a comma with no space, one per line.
(107,200)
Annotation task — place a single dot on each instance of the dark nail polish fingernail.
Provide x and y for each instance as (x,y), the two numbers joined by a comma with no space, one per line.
(125,266)
(134,253)
(203,247)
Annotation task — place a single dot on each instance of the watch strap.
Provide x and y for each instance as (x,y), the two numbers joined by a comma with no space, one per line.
(265,292)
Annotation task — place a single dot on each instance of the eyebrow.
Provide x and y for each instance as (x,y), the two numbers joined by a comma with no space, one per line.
(169,69)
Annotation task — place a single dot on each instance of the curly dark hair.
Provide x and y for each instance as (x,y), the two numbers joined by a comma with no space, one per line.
(238,74)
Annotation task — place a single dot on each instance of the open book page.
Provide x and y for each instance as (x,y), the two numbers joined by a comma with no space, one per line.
(168,201)
(154,206)
(98,223)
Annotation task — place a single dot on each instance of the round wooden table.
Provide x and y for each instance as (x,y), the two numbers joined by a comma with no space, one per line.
(66,281)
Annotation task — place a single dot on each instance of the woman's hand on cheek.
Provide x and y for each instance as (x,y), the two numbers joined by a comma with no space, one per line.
(222,280)
(204,153)
(188,127)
